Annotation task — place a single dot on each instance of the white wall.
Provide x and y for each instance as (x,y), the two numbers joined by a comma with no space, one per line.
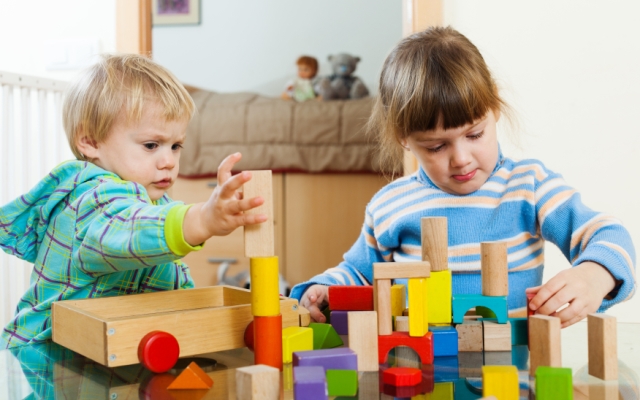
(253,45)
(27,27)
(571,71)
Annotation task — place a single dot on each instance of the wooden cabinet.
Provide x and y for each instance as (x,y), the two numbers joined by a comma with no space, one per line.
(317,217)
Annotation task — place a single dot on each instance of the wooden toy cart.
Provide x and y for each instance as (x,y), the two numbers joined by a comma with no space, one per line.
(109,330)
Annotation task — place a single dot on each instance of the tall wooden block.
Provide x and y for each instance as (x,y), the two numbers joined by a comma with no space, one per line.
(495,274)
(439,292)
(396,270)
(544,341)
(258,382)
(267,341)
(500,381)
(470,336)
(382,298)
(603,346)
(398,300)
(554,383)
(435,242)
(259,238)
(351,298)
(265,299)
(497,337)
(295,338)
(418,307)
(363,338)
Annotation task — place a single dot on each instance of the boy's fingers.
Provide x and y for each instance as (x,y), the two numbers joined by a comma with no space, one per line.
(545,292)
(316,314)
(224,170)
(571,314)
(556,301)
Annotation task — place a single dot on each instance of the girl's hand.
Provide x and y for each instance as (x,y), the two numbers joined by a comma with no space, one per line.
(582,287)
(314,299)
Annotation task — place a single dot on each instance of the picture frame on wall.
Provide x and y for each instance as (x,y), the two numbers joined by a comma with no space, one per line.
(175,12)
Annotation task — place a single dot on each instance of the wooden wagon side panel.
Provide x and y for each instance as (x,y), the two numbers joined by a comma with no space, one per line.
(79,331)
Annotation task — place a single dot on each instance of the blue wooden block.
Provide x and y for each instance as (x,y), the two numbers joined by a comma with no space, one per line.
(310,383)
(446,369)
(461,303)
(445,341)
(519,331)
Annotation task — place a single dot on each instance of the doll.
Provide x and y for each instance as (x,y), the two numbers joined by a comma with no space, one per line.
(301,88)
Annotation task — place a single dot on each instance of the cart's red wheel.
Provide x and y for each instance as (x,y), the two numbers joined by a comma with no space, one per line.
(248,336)
(158,351)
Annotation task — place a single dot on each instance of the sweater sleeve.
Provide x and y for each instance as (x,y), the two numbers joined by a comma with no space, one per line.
(585,235)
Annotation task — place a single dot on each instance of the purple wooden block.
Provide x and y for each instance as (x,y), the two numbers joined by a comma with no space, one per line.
(338,358)
(310,383)
(340,322)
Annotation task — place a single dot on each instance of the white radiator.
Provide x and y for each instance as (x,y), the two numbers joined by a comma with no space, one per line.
(32,142)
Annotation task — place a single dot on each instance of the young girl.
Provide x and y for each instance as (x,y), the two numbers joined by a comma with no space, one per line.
(438,100)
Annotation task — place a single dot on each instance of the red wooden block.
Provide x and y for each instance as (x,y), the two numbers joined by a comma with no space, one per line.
(423,345)
(428,378)
(158,351)
(351,298)
(267,340)
(193,377)
(248,336)
(402,391)
(400,376)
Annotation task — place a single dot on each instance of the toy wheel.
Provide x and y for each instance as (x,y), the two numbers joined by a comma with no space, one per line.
(158,351)
(248,336)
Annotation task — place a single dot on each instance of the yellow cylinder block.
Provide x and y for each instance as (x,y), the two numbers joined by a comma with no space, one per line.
(265,299)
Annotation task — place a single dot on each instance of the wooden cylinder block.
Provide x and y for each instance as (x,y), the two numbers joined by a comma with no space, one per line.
(267,341)
(495,273)
(435,242)
(265,299)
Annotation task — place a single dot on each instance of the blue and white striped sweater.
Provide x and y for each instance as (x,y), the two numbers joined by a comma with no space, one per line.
(522,203)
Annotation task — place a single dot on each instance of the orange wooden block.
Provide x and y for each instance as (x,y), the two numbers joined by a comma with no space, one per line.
(193,377)
(268,341)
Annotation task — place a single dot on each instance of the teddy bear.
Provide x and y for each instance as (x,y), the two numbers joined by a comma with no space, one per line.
(341,84)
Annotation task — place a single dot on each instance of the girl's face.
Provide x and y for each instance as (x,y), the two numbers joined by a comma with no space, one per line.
(459,160)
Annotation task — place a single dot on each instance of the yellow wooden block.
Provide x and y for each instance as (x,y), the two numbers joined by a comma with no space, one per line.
(295,338)
(441,391)
(500,381)
(265,299)
(398,300)
(418,307)
(439,289)
(287,376)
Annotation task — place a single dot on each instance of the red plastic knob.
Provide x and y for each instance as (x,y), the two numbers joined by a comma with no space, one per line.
(158,351)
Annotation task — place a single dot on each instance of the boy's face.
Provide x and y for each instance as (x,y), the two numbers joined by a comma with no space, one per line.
(146,152)
(459,160)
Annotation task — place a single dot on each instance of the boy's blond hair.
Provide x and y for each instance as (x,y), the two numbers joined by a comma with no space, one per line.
(120,84)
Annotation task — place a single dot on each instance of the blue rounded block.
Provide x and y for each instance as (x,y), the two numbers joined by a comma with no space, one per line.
(461,303)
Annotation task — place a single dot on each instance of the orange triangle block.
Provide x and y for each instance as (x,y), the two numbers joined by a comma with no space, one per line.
(193,377)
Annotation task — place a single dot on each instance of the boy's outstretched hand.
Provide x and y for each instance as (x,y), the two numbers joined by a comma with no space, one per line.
(582,287)
(224,211)
(314,299)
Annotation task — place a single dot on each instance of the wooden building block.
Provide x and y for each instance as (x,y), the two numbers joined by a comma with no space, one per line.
(500,381)
(494,269)
(519,331)
(439,292)
(445,340)
(402,323)
(497,337)
(554,383)
(309,382)
(340,358)
(369,385)
(287,376)
(399,376)
(441,391)
(350,298)
(342,382)
(418,306)
(461,303)
(193,377)
(257,382)
(470,364)
(435,242)
(363,338)
(295,338)
(609,390)
(267,341)
(382,298)
(265,299)
(398,270)
(544,339)
(498,358)
(305,316)
(603,346)
(340,322)
(421,345)
(324,336)
(398,299)
(470,337)
(259,238)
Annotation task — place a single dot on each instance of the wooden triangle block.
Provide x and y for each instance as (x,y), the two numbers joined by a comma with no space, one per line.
(193,377)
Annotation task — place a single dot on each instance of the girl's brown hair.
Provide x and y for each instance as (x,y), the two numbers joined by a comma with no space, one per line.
(432,78)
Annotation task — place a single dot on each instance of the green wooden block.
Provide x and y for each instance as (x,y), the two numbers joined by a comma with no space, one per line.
(519,331)
(554,383)
(324,336)
(342,382)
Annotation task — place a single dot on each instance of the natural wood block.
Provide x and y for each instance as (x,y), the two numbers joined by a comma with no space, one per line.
(398,270)
(258,382)
(398,299)
(494,269)
(603,346)
(439,293)
(435,242)
(470,336)
(418,304)
(609,390)
(259,238)
(363,338)
(544,341)
(497,337)
(265,299)
(470,364)
(402,323)
(382,298)
(305,316)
